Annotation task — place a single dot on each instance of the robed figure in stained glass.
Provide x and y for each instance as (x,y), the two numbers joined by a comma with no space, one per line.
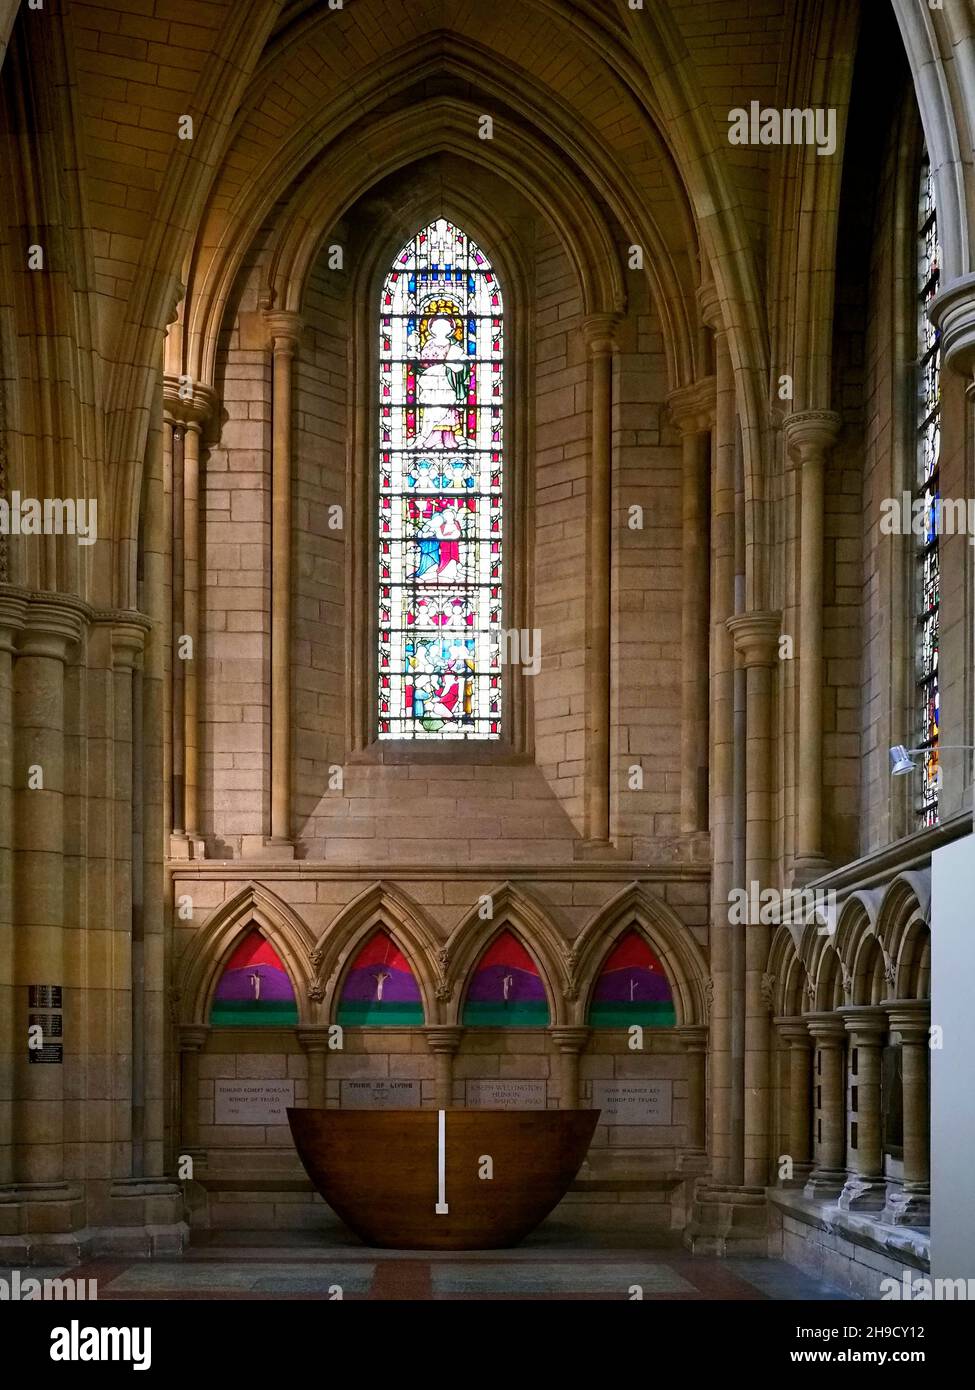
(441,383)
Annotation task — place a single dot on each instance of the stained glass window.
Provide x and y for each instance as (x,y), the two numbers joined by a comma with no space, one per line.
(928,492)
(441,360)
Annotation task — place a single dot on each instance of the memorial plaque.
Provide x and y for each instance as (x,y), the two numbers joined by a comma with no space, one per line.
(634,1102)
(44,996)
(51,1053)
(252,1102)
(493,1094)
(50,1024)
(380,1095)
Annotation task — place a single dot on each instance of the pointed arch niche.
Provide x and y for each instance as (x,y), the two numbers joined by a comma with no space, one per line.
(506,988)
(631,987)
(254,988)
(379,988)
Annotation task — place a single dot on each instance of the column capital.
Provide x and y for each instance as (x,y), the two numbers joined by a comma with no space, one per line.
(952,311)
(443,1037)
(53,624)
(314,1039)
(284,329)
(692,407)
(911,1018)
(866,1023)
(809,434)
(709,306)
(187,403)
(13,613)
(599,332)
(794,1029)
(694,1036)
(193,1037)
(570,1039)
(756,637)
(827,1030)
(129,631)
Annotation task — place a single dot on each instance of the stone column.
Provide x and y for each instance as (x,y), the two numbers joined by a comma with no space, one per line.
(599,333)
(13,607)
(694,1037)
(909,1205)
(726,1098)
(829,1083)
(53,625)
(314,1041)
(443,1040)
(128,638)
(756,639)
(865,1188)
(285,330)
(693,410)
(191,628)
(192,1040)
(179,842)
(810,435)
(796,1034)
(571,1043)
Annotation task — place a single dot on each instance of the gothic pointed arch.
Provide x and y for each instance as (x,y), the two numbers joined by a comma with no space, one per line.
(254,909)
(510,909)
(383,907)
(670,940)
(786,975)
(904,924)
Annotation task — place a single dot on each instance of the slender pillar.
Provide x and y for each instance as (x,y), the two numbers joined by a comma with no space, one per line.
(726,1099)
(571,1043)
(810,435)
(284,329)
(443,1040)
(829,1077)
(314,1041)
(191,628)
(694,1038)
(52,628)
(598,330)
(909,1205)
(799,1111)
(13,607)
(128,638)
(693,410)
(865,1188)
(756,639)
(192,1040)
(179,847)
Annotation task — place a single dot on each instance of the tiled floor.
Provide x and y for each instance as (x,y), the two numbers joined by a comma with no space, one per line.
(559,1264)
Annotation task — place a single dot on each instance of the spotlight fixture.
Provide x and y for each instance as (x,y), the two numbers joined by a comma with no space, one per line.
(902,759)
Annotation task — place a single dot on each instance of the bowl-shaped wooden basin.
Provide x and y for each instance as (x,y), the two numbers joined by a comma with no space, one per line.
(379,1171)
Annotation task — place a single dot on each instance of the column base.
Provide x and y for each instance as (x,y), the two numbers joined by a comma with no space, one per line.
(824,1184)
(597,849)
(46,1224)
(863,1194)
(801,1173)
(693,1162)
(266,847)
(809,867)
(187,847)
(728,1221)
(907,1208)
